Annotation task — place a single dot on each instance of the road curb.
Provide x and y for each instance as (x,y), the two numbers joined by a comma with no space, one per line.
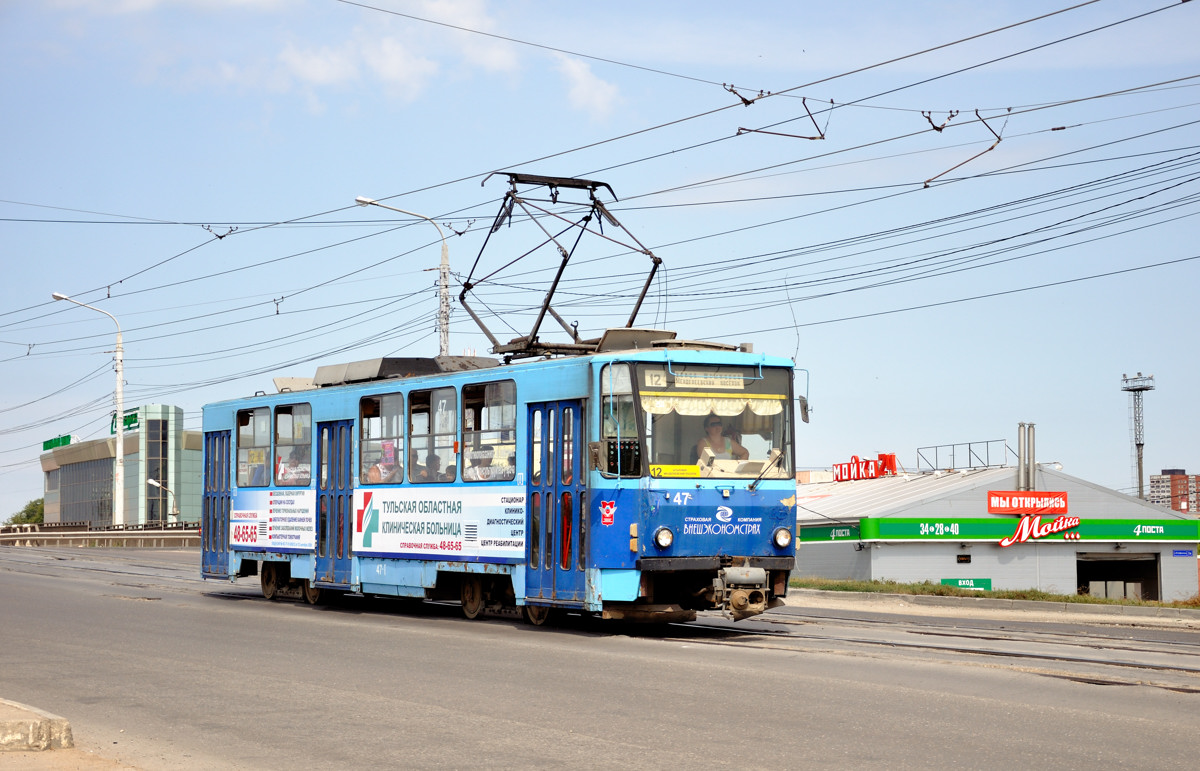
(24,728)
(1097,609)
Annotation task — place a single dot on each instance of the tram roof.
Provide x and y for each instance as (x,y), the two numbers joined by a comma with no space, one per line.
(631,344)
(388,368)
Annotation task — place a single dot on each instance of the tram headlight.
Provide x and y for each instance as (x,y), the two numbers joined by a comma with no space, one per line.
(663,537)
(782,537)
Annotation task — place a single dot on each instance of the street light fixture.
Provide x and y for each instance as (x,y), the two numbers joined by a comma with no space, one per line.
(119,465)
(171,495)
(443,274)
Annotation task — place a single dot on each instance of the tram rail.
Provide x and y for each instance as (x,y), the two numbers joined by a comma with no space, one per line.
(1170,664)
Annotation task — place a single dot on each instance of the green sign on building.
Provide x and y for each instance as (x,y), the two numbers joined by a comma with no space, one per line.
(999,528)
(131,422)
(58,441)
(836,533)
(982,584)
(901,529)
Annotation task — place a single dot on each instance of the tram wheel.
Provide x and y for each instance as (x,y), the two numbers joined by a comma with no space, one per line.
(535,614)
(472,596)
(312,594)
(270,588)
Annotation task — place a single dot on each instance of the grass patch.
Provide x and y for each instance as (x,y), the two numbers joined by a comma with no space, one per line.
(940,590)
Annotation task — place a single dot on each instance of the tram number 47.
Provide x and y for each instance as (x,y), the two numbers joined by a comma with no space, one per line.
(245,534)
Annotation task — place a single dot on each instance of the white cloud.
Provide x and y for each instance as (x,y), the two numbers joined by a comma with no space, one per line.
(397,58)
(143,6)
(585,91)
(319,67)
(489,53)
(404,72)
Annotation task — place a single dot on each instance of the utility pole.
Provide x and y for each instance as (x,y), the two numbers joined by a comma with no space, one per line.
(443,274)
(118,503)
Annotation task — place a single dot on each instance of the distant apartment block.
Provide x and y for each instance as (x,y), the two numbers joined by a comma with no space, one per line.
(1176,489)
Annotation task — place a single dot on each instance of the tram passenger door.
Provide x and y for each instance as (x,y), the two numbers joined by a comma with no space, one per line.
(556,503)
(335,495)
(214,525)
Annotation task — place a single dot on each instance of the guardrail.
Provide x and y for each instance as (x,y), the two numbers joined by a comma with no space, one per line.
(142,537)
(55,527)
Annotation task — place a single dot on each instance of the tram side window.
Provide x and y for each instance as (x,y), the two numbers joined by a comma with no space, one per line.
(620,444)
(381,442)
(568,446)
(489,420)
(253,447)
(535,438)
(433,431)
(293,445)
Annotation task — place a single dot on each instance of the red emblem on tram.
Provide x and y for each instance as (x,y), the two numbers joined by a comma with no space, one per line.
(608,512)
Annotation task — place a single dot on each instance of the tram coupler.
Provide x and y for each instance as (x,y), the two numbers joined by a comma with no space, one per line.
(741,591)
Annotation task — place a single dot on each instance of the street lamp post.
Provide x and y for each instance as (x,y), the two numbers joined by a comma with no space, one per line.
(171,495)
(443,274)
(119,465)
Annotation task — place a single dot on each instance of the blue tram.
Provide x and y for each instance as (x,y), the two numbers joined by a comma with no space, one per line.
(647,480)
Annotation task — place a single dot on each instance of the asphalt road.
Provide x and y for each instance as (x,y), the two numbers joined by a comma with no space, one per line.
(160,670)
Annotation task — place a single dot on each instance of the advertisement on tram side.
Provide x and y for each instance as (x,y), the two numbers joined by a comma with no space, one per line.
(273,520)
(449,523)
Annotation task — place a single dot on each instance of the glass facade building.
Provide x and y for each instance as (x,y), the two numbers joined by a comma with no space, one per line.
(79,476)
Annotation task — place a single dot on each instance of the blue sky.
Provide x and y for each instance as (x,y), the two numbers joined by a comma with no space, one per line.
(191,167)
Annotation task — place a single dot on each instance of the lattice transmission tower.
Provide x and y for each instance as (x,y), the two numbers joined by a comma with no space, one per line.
(1136,386)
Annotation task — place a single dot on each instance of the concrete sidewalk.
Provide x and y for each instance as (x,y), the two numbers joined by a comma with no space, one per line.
(916,604)
(26,728)
(33,740)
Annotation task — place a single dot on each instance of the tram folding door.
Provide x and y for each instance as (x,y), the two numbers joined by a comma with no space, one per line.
(556,500)
(214,523)
(335,494)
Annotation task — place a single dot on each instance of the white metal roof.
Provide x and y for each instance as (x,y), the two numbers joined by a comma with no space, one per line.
(957,493)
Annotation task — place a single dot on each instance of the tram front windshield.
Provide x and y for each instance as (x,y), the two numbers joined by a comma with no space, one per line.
(704,420)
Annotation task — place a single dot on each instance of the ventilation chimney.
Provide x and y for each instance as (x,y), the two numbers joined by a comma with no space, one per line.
(1031,471)
(1021,483)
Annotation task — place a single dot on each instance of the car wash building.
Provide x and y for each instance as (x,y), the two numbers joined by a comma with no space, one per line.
(1029,527)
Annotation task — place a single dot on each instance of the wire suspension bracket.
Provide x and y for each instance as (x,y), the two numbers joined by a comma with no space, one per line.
(973,157)
(804,103)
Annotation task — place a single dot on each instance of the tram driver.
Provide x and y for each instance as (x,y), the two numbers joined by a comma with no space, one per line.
(723,447)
